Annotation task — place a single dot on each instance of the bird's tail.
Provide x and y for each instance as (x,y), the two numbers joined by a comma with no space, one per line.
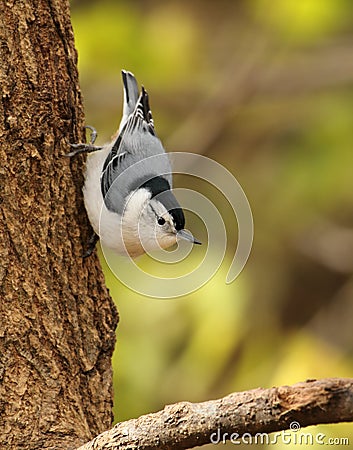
(143,109)
(131,96)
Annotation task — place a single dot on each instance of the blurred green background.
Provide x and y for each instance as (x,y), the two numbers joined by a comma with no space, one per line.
(266,89)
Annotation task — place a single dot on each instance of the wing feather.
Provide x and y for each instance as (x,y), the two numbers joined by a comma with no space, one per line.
(136,141)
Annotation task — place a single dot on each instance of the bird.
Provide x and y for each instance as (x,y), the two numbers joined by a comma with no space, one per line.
(128,184)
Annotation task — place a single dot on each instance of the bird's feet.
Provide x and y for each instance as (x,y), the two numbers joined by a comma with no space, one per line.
(85,148)
(91,245)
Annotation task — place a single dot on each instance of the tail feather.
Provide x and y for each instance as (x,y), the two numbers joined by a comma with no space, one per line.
(143,110)
(131,96)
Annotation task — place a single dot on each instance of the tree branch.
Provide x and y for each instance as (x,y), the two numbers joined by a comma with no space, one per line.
(185,425)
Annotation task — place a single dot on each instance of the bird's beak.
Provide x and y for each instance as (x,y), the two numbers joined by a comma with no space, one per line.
(184,234)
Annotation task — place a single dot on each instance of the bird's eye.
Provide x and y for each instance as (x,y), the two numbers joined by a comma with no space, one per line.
(161,221)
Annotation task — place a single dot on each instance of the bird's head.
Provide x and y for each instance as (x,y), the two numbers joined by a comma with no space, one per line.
(151,222)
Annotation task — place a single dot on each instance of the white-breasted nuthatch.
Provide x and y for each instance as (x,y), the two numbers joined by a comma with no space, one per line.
(128,182)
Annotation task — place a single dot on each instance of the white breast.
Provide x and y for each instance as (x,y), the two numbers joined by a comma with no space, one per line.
(105,223)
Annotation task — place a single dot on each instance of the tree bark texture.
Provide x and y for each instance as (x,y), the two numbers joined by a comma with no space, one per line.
(186,425)
(57,320)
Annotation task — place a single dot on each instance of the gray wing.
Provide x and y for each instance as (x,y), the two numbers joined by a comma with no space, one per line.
(136,156)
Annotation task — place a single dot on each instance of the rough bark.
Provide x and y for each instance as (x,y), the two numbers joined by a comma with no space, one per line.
(186,425)
(57,320)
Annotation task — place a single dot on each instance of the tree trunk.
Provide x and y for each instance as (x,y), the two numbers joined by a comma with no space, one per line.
(57,320)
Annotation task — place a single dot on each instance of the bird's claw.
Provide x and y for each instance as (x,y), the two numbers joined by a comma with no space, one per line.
(85,148)
(91,245)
